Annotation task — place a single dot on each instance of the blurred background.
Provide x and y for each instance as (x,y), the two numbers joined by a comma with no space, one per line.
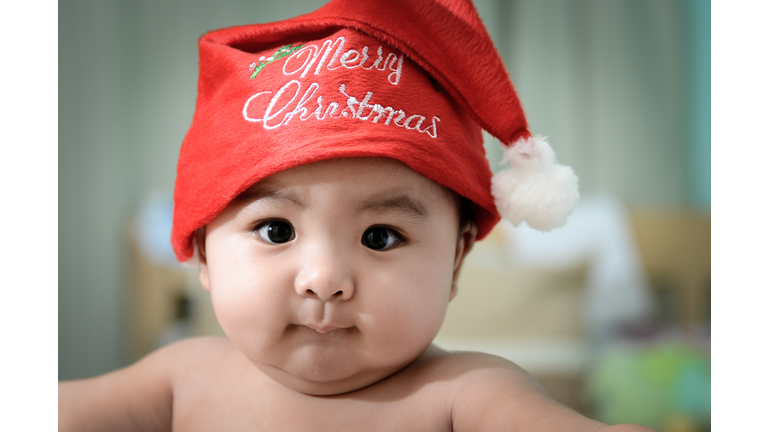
(611,313)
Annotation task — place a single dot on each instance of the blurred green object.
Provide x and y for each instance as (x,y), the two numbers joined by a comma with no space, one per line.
(665,386)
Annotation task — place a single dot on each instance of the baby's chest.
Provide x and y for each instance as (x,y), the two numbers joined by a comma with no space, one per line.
(277,411)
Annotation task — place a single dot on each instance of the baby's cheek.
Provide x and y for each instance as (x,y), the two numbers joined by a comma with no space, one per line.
(406,320)
(245,310)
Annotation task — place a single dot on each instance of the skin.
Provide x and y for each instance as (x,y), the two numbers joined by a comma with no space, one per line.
(324,331)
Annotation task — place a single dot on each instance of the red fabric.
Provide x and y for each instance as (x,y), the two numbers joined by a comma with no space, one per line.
(249,125)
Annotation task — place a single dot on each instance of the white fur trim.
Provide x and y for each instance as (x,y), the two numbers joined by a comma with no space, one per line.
(536,190)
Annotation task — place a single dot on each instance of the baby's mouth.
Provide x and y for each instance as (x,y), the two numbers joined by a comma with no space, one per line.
(323,327)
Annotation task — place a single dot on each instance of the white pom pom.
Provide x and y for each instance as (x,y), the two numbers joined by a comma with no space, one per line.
(536,190)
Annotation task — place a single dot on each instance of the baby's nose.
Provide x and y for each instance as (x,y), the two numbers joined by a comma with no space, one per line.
(326,279)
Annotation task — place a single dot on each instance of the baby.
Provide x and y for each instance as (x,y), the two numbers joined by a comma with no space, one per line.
(329,188)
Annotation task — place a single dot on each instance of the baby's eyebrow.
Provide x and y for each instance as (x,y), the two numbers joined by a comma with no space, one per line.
(254,194)
(404,202)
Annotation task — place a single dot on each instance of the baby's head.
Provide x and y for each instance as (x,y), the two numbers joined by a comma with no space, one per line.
(334,177)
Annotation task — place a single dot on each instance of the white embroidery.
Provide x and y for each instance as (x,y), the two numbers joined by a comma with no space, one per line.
(311,51)
(380,110)
(400,116)
(327,47)
(345,61)
(292,100)
(418,124)
(248,102)
(354,109)
(396,72)
(378,59)
(339,41)
(351,59)
(268,115)
(433,132)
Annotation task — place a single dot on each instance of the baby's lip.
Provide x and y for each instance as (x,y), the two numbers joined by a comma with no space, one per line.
(324,328)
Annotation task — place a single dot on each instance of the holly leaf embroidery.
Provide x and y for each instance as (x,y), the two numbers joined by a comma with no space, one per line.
(264,61)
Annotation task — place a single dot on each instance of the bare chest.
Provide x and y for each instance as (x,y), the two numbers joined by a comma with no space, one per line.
(249,406)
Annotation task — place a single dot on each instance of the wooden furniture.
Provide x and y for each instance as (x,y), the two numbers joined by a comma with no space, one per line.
(675,246)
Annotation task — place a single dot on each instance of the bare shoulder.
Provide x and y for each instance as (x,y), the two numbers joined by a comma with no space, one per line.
(137,397)
(192,353)
(491,393)
(464,370)
(170,363)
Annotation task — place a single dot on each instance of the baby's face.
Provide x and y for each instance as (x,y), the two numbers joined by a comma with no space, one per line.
(336,274)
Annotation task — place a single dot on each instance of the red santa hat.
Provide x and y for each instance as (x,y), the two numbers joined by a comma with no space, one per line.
(409,80)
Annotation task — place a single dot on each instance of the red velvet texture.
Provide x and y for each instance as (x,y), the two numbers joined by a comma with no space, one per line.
(330,94)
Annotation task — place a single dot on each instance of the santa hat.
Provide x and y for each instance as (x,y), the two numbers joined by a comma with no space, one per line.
(409,80)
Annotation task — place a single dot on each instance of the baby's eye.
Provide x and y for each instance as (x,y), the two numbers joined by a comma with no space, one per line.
(276,231)
(380,238)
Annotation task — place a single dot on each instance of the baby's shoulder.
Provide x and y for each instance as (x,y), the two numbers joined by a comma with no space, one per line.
(190,356)
(202,345)
(140,396)
(488,392)
(200,348)
(467,369)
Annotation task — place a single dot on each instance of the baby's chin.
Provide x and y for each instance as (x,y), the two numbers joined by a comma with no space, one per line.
(317,377)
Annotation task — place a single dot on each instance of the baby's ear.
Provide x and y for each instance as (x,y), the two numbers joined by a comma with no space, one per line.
(463,246)
(200,249)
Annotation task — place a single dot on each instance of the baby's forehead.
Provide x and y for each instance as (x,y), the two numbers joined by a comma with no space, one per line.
(356,176)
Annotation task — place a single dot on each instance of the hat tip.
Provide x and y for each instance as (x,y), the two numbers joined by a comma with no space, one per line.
(535,189)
